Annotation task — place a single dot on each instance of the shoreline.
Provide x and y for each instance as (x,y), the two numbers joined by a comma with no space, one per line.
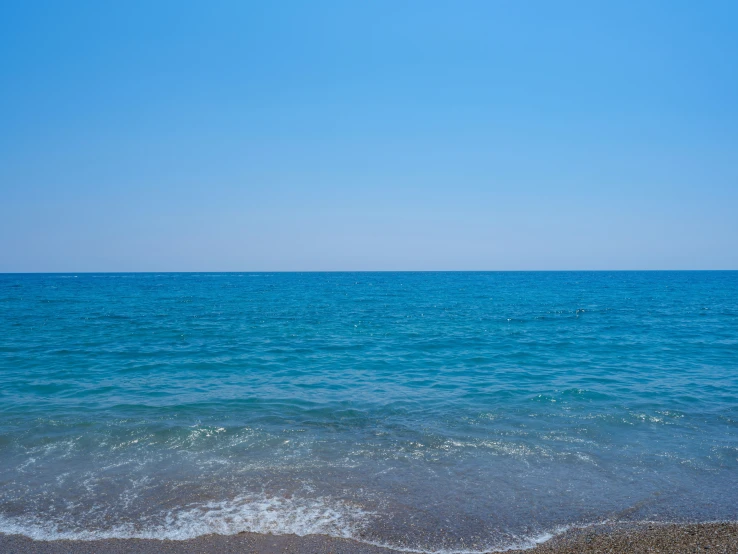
(717,537)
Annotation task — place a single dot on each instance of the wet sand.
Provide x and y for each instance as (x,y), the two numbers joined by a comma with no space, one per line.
(710,538)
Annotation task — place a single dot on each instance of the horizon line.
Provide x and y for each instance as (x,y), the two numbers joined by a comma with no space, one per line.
(358,271)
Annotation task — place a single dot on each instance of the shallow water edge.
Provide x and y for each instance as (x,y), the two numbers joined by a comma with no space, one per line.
(714,537)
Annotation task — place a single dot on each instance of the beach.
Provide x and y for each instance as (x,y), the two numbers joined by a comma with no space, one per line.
(713,538)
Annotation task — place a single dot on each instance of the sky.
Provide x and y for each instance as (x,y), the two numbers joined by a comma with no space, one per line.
(383,135)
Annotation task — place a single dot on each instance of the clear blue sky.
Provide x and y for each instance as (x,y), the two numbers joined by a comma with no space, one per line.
(194,136)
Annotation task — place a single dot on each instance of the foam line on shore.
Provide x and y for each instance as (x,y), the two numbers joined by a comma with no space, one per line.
(264,515)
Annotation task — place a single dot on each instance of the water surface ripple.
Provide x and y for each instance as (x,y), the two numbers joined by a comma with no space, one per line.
(439,411)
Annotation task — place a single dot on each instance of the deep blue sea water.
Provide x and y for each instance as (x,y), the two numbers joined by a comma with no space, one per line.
(439,411)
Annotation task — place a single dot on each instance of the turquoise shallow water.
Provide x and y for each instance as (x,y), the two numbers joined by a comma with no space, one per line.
(440,411)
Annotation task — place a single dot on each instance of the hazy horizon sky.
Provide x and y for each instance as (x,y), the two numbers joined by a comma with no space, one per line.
(244,136)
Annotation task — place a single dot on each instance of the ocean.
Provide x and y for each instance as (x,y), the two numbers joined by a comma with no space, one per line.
(442,412)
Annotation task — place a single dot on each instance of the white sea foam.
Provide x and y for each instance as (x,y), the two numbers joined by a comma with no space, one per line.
(265,515)
(253,513)
(262,514)
(515,543)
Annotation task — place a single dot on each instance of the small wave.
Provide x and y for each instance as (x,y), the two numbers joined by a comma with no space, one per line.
(260,514)
(277,516)
(517,543)
(253,513)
